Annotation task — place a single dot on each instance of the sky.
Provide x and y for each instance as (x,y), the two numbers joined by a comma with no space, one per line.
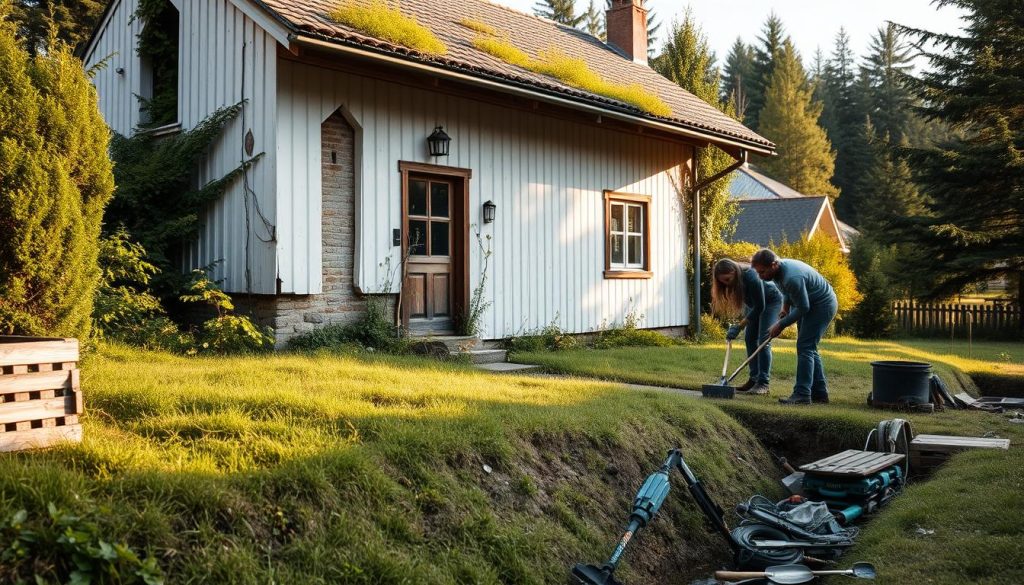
(811,24)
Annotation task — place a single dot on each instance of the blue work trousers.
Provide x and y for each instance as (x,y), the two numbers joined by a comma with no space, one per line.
(810,373)
(756,334)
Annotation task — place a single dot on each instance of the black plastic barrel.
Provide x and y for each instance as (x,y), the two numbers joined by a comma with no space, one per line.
(895,382)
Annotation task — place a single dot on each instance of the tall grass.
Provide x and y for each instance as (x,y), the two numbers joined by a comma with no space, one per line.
(328,469)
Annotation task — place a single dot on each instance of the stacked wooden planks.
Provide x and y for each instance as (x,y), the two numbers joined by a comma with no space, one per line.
(40,395)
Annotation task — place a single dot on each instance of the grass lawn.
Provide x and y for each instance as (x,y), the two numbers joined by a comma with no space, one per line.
(971,503)
(333,469)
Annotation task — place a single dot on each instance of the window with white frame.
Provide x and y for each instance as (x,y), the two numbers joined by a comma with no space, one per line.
(628,236)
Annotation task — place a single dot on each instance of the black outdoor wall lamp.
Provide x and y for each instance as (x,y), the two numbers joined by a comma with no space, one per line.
(489,209)
(439,142)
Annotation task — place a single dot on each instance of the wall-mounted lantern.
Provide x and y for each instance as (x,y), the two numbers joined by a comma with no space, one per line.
(439,142)
(489,209)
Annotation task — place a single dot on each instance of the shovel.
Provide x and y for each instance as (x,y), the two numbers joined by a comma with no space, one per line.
(722,389)
(792,574)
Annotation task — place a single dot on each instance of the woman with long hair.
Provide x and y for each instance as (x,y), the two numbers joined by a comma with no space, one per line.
(736,291)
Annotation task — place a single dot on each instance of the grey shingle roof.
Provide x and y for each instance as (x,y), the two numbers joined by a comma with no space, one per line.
(749,183)
(763,221)
(532,35)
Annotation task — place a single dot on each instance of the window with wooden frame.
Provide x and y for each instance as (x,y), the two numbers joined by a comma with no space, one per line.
(627,246)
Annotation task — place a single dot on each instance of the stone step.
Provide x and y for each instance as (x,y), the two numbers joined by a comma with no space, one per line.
(485,356)
(507,368)
(454,343)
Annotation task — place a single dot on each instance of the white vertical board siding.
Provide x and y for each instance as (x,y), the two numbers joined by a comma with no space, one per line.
(546,176)
(224,57)
(215,39)
(116,42)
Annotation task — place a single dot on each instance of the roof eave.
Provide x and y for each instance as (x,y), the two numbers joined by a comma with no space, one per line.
(733,145)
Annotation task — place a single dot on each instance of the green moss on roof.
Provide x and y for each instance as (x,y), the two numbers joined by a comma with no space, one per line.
(379,20)
(480,27)
(573,72)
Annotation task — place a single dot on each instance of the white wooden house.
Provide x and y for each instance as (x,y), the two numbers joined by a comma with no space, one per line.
(588,223)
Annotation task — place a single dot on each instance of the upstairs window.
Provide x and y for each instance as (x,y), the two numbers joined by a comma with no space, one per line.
(627,235)
(158,53)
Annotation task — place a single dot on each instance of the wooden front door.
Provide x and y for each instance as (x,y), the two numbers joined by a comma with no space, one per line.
(428,290)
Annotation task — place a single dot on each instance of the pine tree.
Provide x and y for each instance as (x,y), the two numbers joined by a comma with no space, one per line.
(738,77)
(843,117)
(74,21)
(765,56)
(974,186)
(561,11)
(888,185)
(688,61)
(887,65)
(805,158)
(55,180)
(593,21)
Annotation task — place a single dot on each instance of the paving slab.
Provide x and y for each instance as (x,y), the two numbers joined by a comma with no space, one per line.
(506,367)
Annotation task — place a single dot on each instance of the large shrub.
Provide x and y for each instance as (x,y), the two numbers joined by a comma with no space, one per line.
(55,180)
(824,255)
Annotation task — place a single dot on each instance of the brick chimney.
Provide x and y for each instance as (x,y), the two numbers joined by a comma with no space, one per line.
(627,28)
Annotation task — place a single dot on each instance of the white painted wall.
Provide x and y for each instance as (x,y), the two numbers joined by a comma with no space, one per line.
(546,176)
(216,38)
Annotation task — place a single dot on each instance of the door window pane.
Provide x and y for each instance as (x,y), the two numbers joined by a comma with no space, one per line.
(635,251)
(439,199)
(635,219)
(439,238)
(417,197)
(616,224)
(417,238)
(617,251)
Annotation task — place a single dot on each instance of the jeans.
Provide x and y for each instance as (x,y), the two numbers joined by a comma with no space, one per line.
(757,333)
(810,373)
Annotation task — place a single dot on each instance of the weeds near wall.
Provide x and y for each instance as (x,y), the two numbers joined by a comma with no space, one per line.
(470,325)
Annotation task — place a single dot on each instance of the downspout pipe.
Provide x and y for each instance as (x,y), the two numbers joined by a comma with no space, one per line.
(697,188)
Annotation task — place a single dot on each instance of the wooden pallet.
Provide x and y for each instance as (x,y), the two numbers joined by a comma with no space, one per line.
(40,393)
(852,463)
(929,451)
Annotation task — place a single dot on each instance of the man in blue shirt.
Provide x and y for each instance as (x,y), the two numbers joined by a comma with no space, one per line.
(810,302)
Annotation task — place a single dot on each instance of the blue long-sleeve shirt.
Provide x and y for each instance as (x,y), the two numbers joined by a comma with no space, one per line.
(802,288)
(757,293)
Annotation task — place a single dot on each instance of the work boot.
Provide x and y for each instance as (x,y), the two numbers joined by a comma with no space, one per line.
(746,386)
(760,388)
(795,400)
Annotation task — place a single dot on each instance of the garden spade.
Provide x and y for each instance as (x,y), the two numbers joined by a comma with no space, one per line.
(793,574)
(722,389)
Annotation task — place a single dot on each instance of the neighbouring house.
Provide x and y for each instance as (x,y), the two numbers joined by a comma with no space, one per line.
(769,211)
(576,194)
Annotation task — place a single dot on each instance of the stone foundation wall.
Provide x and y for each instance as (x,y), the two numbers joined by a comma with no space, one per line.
(291,315)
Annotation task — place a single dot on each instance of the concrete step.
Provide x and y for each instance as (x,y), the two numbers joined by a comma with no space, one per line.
(485,356)
(454,343)
(507,368)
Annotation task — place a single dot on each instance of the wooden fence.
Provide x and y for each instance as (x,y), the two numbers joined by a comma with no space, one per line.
(982,320)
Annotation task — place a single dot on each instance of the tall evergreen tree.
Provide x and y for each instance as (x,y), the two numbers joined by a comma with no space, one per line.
(805,158)
(843,117)
(887,65)
(738,77)
(974,228)
(561,11)
(890,192)
(73,20)
(55,180)
(765,54)
(688,61)
(593,21)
